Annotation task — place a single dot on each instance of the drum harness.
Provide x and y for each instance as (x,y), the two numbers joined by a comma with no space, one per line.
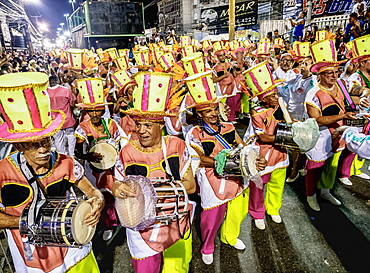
(169,174)
(106,130)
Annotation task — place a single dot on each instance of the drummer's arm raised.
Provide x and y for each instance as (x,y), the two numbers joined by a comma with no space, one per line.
(326,120)
(96,199)
(8,221)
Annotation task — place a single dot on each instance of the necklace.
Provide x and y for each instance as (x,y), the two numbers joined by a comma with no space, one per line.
(327,89)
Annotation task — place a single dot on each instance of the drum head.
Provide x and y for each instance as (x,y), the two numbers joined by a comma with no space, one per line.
(222,112)
(251,161)
(81,232)
(109,153)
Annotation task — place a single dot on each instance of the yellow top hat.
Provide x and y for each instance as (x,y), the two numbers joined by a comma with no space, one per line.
(121,62)
(278,43)
(194,42)
(25,107)
(234,45)
(361,48)
(301,49)
(113,54)
(124,52)
(263,48)
(185,41)
(194,64)
(321,35)
(202,89)
(247,43)
(57,52)
(218,46)
(157,54)
(92,93)
(206,44)
(260,80)
(142,57)
(188,50)
(75,58)
(265,40)
(151,95)
(324,56)
(166,61)
(121,78)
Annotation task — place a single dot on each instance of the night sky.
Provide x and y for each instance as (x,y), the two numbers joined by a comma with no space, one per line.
(52,12)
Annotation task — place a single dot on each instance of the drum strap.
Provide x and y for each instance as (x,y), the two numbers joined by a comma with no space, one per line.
(106,131)
(168,168)
(38,192)
(218,136)
(347,96)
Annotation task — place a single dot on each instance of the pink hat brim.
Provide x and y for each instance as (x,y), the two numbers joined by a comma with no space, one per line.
(317,67)
(55,126)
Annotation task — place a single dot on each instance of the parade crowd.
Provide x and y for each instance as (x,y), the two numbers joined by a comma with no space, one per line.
(123,124)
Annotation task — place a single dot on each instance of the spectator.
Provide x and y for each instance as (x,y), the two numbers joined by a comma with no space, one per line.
(338,38)
(366,27)
(269,36)
(276,34)
(307,36)
(315,29)
(354,27)
(298,26)
(359,4)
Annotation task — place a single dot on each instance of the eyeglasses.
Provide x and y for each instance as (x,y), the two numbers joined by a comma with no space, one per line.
(46,143)
(286,60)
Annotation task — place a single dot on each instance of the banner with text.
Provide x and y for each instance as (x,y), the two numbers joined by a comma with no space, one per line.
(218,17)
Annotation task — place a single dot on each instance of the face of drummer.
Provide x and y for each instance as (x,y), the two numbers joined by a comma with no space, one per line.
(95,115)
(149,133)
(271,100)
(365,65)
(37,153)
(329,77)
(209,116)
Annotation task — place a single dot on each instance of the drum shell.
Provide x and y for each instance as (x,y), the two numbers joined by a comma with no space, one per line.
(355,122)
(284,136)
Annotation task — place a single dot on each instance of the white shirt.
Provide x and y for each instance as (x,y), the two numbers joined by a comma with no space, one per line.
(355,7)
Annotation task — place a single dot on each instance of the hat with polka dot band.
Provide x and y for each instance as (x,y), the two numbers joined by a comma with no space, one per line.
(25,107)
(150,97)
(194,64)
(361,48)
(91,92)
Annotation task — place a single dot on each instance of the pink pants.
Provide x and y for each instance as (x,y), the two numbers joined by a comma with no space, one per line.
(234,104)
(153,263)
(315,170)
(257,207)
(210,222)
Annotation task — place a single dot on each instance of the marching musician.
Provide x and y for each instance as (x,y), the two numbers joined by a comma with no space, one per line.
(265,117)
(326,102)
(148,156)
(219,194)
(35,170)
(89,133)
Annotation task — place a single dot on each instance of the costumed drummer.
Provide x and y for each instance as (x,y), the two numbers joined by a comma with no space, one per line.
(219,194)
(25,106)
(327,102)
(265,118)
(153,156)
(94,132)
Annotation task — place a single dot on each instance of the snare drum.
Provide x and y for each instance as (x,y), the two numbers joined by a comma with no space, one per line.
(284,136)
(157,201)
(59,222)
(109,150)
(241,162)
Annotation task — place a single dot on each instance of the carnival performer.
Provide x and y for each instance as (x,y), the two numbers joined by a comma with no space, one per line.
(153,156)
(62,98)
(219,194)
(37,170)
(89,133)
(326,103)
(265,117)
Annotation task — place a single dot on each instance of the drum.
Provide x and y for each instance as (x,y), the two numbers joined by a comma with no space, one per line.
(59,222)
(157,201)
(108,149)
(284,136)
(241,162)
(222,112)
(355,122)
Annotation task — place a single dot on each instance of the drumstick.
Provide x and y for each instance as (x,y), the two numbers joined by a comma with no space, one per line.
(286,114)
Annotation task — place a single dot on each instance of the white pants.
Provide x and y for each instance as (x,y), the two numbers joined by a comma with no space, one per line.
(60,139)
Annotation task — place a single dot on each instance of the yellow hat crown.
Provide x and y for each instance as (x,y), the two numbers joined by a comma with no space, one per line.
(152,91)
(194,64)
(324,51)
(321,35)
(301,49)
(121,63)
(259,79)
(218,46)
(124,52)
(142,57)
(201,87)
(263,48)
(91,90)
(185,41)
(188,50)
(24,101)
(166,61)
(121,78)
(75,58)
(112,52)
(361,46)
(278,43)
